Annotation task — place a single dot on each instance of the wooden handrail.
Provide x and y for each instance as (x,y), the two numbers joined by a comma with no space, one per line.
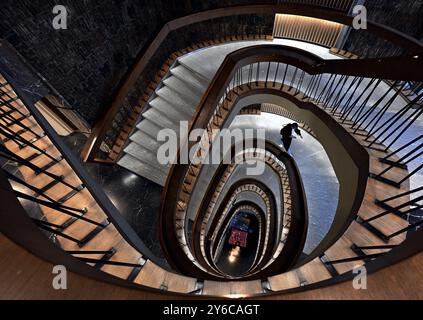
(102,124)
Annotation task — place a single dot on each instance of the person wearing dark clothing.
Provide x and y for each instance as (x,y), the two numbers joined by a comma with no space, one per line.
(286,133)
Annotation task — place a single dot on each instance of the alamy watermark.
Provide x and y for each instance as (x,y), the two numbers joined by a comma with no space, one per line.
(60,280)
(215,147)
(360,280)
(60,20)
(360,17)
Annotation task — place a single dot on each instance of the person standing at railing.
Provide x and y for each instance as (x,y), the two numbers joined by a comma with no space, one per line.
(287,135)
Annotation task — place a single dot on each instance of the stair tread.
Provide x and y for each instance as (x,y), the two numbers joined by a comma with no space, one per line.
(176,100)
(145,140)
(192,71)
(152,173)
(166,108)
(160,119)
(149,127)
(183,88)
(189,76)
(144,155)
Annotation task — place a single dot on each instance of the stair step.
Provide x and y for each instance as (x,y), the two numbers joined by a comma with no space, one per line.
(194,79)
(93,234)
(71,194)
(154,174)
(166,108)
(3,103)
(33,140)
(105,258)
(136,270)
(179,103)
(143,155)
(49,165)
(18,120)
(35,155)
(149,128)
(183,88)
(160,119)
(9,112)
(49,186)
(68,223)
(194,72)
(20,132)
(145,140)
(373,229)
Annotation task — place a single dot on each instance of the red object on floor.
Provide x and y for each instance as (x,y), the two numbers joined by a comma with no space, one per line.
(238,238)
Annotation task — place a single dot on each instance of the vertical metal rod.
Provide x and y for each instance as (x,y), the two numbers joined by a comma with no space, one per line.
(380,114)
(276,73)
(351,108)
(403,147)
(360,110)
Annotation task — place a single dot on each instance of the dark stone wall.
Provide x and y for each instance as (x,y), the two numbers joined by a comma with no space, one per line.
(86,62)
(243,26)
(403,15)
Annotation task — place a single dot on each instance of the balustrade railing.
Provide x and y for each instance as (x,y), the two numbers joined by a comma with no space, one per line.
(370,108)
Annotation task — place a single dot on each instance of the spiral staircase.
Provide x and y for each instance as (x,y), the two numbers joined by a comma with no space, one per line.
(366,119)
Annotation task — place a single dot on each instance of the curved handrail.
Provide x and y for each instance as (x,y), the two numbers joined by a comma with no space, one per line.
(298,215)
(380,261)
(206,109)
(270,219)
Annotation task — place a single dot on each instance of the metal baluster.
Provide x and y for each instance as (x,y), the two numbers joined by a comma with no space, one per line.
(351,108)
(39,191)
(267,74)
(22,142)
(394,119)
(276,73)
(13,157)
(380,114)
(347,105)
(359,111)
(338,98)
(346,92)
(284,76)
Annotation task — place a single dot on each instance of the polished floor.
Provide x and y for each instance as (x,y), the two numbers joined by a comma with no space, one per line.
(320,183)
(236,261)
(136,198)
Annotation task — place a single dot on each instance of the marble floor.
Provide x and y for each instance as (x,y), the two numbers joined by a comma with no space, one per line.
(136,198)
